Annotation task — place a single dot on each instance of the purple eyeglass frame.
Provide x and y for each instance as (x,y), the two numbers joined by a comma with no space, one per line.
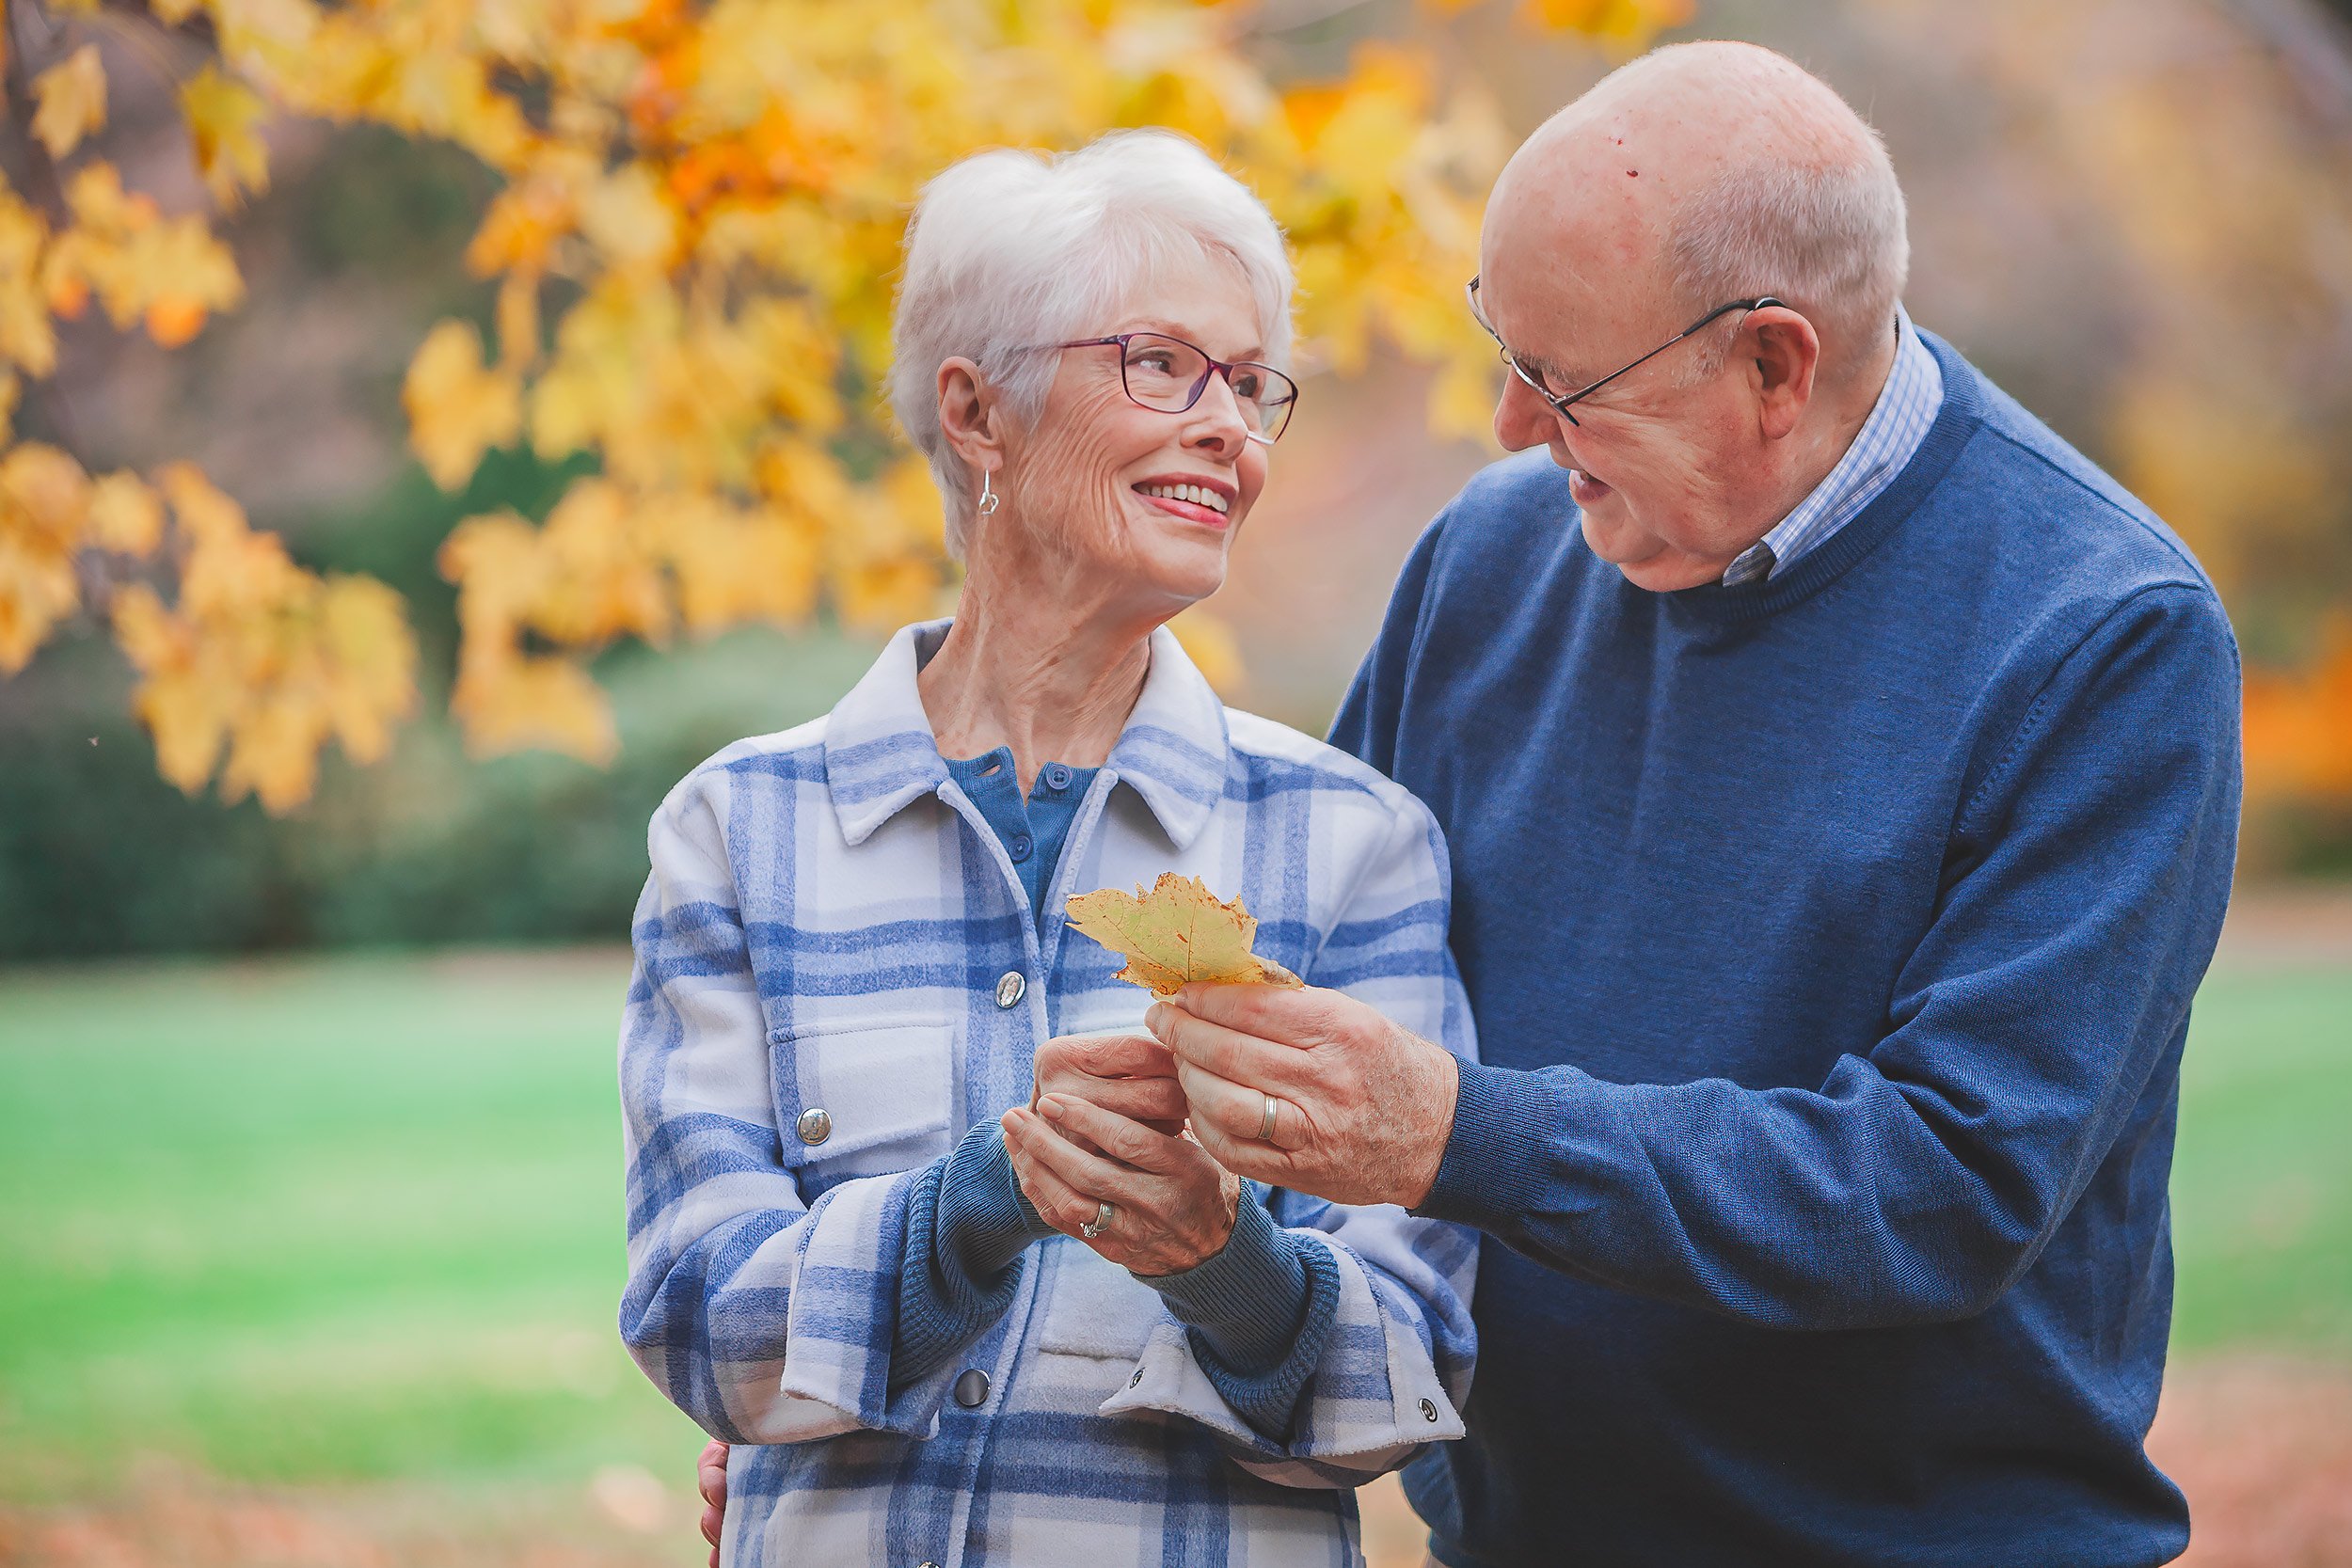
(1217,366)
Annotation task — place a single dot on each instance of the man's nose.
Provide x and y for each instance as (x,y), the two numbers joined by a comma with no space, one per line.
(1522,419)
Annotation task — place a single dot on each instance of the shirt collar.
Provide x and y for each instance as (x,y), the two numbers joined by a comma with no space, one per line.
(1915,382)
(881,754)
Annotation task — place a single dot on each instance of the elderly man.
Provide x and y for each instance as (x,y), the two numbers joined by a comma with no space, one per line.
(1841,780)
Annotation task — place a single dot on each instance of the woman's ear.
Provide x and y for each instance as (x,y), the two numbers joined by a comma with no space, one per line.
(968,416)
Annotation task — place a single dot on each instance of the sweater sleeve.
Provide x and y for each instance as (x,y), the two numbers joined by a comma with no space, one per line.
(2084,887)
(1260,1313)
(967,1225)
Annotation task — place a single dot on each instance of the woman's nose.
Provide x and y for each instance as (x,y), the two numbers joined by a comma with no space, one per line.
(1217,415)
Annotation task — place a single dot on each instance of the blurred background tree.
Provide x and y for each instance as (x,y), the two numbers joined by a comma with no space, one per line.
(712,198)
(542,349)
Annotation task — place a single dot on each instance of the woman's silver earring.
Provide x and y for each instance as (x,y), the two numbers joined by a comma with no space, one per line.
(989,498)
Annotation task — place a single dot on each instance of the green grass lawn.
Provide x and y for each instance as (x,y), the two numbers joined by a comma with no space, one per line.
(360,1218)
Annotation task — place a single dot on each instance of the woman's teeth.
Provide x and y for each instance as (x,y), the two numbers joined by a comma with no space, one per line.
(1198,494)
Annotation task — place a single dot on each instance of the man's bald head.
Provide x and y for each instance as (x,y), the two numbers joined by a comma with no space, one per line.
(1707,173)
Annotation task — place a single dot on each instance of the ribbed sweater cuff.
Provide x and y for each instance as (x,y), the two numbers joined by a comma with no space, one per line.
(966,1228)
(1490,1165)
(984,1219)
(1247,1300)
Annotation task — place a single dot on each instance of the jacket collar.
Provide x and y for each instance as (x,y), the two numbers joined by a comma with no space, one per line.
(880,756)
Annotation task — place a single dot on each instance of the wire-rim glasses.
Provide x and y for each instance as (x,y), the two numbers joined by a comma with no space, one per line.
(1167,375)
(1558,403)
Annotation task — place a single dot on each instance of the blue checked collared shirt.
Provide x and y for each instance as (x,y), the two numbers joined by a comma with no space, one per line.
(1899,422)
(831,924)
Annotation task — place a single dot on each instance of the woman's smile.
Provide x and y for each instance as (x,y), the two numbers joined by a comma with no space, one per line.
(1195,497)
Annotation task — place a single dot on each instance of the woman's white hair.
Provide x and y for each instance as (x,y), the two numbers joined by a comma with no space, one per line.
(1008,251)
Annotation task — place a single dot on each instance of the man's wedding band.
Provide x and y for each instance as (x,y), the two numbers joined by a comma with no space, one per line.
(1266,1122)
(1102,1213)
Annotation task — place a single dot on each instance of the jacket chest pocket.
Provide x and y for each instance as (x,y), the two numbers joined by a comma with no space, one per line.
(868,1097)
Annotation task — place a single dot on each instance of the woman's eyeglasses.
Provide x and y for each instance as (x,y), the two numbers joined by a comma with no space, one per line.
(1169,375)
(1559,402)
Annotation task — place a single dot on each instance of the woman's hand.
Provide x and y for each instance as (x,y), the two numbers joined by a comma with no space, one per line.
(1130,1075)
(1172,1207)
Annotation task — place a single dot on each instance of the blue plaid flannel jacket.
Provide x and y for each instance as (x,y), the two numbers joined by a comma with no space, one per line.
(830,923)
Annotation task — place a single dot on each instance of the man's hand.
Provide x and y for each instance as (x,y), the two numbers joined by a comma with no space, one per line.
(1362,1108)
(711,1479)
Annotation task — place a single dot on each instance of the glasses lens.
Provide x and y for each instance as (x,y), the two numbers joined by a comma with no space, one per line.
(1162,372)
(1169,375)
(1266,397)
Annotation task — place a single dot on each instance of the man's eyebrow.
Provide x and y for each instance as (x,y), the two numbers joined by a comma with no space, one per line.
(1550,373)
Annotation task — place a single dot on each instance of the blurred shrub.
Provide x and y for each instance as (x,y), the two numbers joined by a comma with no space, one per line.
(99,855)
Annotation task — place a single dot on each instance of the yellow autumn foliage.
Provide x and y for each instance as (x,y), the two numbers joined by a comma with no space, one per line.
(717,192)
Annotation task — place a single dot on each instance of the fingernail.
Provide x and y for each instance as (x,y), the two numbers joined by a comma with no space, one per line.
(1052,1107)
(1153,1015)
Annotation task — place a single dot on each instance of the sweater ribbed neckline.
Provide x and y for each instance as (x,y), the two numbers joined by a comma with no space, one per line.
(1823,565)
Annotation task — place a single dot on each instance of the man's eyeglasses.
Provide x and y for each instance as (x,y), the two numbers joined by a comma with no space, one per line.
(1534,378)
(1169,375)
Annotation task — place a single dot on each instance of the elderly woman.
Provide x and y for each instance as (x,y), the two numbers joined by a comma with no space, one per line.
(912,1220)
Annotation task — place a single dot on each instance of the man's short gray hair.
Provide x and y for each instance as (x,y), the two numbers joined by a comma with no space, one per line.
(1828,236)
(1008,250)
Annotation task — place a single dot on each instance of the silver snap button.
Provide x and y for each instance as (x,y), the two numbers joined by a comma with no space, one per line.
(1011,988)
(1136,1381)
(972,1388)
(1428,1411)
(815,1126)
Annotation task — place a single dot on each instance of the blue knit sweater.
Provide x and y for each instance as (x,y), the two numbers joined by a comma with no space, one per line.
(1831,940)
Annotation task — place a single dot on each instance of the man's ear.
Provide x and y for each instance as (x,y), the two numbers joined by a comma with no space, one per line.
(969,417)
(1783,351)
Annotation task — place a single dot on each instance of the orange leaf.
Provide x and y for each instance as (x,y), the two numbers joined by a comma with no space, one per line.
(174,321)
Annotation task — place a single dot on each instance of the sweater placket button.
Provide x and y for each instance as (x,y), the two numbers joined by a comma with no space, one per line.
(972,1388)
(1011,989)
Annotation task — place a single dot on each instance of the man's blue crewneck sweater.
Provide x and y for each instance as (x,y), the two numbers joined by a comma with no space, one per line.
(1832,942)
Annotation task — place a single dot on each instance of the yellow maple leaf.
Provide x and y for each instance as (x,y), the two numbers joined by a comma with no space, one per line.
(457,408)
(1178,932)
(25,334)
(44,496)
(222,113)
(125,516)
(72,99)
